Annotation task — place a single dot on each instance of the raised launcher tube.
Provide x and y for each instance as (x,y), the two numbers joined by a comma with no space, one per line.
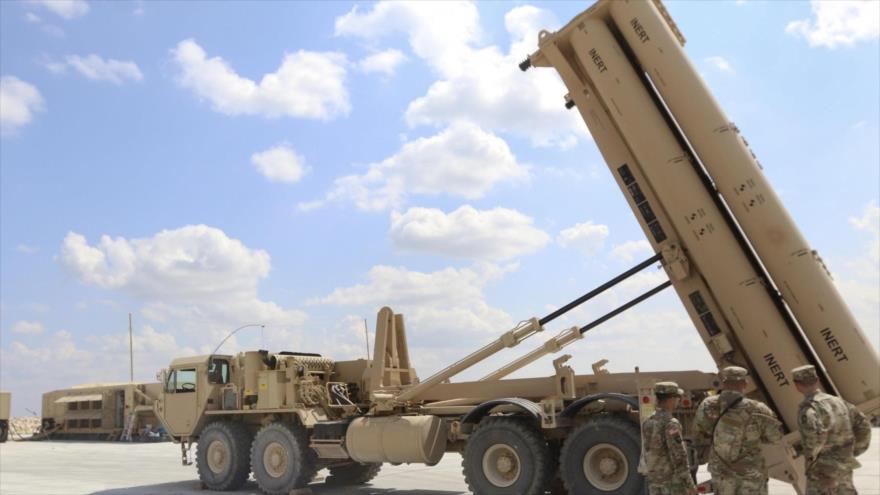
(612,90)
(794,267)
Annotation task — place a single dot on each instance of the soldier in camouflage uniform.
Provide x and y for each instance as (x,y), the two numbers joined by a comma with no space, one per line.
(833,433)
(665,458)
(732,428)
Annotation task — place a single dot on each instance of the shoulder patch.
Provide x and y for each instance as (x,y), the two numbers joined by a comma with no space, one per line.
(673,429)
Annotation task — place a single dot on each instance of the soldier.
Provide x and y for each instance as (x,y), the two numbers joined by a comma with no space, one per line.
(833,433)
(666,459)
(732,429)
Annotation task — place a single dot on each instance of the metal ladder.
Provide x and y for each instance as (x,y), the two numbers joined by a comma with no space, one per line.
(129,428)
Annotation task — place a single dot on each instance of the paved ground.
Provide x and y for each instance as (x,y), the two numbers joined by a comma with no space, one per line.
(74,468)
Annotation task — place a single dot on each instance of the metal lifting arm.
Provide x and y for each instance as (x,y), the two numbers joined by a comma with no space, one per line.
(517,335)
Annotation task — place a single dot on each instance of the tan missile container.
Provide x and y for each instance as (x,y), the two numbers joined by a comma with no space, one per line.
(795,268)
(705,235)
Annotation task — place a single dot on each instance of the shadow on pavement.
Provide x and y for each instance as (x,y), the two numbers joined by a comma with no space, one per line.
(191,487)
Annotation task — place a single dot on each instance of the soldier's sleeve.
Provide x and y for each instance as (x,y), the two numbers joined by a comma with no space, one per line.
(703,425)
(678,454)
(861,430)
(813,432)
(771,427)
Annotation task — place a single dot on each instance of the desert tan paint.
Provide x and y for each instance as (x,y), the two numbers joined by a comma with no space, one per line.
(793,265)
(708,240)
(686,278)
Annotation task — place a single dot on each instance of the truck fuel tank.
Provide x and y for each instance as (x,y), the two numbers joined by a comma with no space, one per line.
(397,439)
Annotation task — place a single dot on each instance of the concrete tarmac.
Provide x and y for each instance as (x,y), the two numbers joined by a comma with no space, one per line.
(101,468)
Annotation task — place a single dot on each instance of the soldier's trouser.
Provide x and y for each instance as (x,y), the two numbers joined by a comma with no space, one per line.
(732,485)
(828,486)
(665,489)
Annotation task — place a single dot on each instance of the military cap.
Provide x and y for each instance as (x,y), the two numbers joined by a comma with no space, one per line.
(804,373)
(667,388)
(733,374)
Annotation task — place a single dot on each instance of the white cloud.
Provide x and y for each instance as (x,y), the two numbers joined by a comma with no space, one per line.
(436,303)
(720,63)
(32,18)
(839,23)
(26,249)
(67,9)
(630,250)
(468,233)
(281,163)
(586,237)
(98,69)
(384,62)
(19,101)
(477,84)
(462,161)
(307,84)
(194,273)
(27,327)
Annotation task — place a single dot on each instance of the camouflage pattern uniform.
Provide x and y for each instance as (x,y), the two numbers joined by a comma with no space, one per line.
(666,460)
(733,440)
(833,433)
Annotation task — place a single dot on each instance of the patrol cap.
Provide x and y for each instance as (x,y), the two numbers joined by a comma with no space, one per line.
(667,388)
(733,374)
(804,373)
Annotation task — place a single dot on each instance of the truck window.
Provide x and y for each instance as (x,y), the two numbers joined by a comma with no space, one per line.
(181,381)
(218,371)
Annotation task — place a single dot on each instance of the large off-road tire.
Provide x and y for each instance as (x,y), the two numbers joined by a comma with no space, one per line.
(353,474)
(281,459)
(506,456)
(601,457)
(223,455)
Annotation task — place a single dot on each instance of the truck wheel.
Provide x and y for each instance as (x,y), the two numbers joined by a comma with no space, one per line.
(353,474)
(601,457)
(281,458)
(4,430)
(506,456)
(223,455)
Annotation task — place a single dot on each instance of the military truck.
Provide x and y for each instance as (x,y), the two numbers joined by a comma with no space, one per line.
(5,399)
(759,297)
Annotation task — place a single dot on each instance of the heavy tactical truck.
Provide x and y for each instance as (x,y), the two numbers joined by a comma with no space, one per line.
(759,297)
(5,400)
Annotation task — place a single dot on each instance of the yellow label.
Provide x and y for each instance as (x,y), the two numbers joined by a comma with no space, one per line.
(264,386)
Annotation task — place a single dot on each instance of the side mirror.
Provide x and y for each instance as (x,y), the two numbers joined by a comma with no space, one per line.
(162,376)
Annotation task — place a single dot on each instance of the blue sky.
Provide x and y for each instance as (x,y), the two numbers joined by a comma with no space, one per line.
(304,164)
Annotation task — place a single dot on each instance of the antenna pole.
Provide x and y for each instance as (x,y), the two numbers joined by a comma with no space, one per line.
(130,351)
(367,338)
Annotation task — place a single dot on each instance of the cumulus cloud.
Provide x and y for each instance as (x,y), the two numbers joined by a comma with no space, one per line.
(442,302)
(19,101)
(631,250)
(462,161)
(281,163)
(27,327)
(97,68)
(467,233)
(720,63)
(194,273)
(479,84)
(384,62)
(68,9)
(586,237)
(307,84)
(838,23)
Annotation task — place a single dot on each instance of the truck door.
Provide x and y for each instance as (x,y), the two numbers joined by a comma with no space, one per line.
(181,405)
